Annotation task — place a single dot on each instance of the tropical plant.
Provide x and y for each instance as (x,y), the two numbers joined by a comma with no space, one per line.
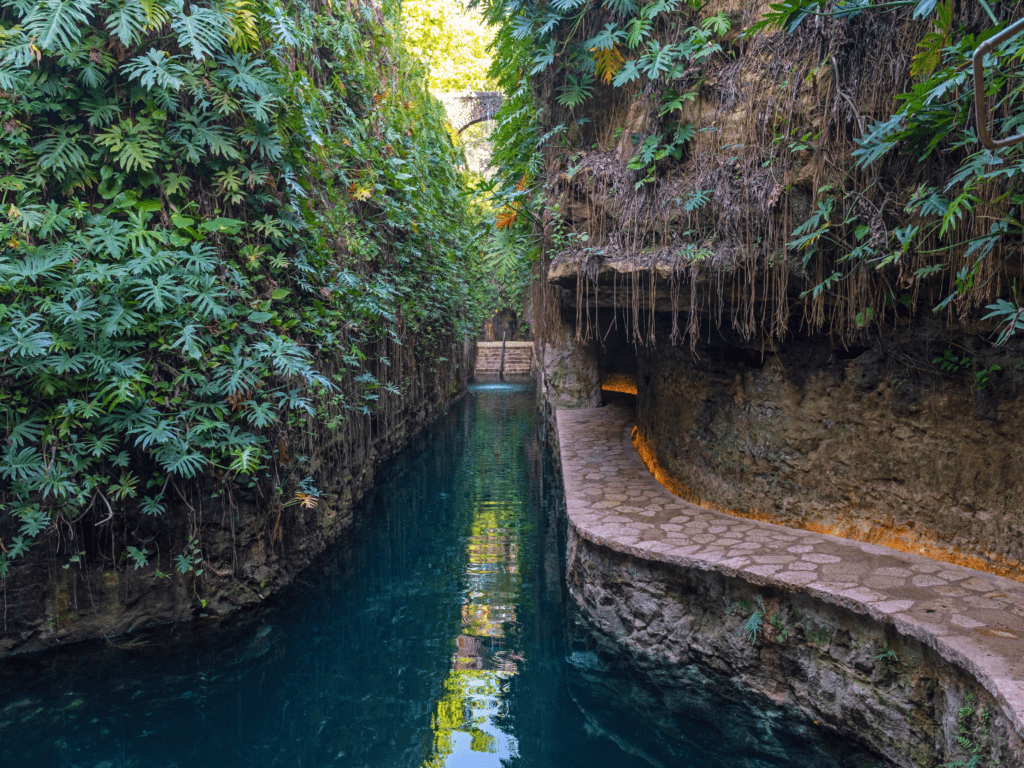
(866,254)
(224,227)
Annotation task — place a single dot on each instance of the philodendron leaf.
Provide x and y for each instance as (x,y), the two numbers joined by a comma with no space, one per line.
(148,205)
(220,224)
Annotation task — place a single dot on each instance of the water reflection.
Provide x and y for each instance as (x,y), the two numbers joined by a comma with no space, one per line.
(435,635)
(469,719)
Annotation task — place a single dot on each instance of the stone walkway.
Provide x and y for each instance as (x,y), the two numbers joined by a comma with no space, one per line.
(972,619)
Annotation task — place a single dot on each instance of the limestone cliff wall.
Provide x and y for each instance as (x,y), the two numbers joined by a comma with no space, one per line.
(758,392)
(860,442)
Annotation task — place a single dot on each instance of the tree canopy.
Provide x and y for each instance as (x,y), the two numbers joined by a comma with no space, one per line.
(452,41)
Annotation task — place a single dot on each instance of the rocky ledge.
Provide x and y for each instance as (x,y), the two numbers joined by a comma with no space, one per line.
(918,659)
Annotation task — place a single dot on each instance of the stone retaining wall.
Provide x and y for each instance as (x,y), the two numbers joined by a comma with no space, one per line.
(900,652)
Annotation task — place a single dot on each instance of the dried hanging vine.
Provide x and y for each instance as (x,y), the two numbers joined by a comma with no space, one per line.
(810,166)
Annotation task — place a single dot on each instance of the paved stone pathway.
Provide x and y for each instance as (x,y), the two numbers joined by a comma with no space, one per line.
(971,618)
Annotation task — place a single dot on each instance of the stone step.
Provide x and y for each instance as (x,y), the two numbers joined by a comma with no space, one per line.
(518,358)
(526,360)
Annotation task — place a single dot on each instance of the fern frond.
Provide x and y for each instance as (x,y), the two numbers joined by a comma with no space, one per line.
(156,14)
(246,460)
(507,217)
(12,79)
(608,62)
(195,133)
(178,458)
(752,627)
(696,200)
(24,464)
(503,251)
(100,110)
(134,144)
(249,75)
(577,89)
(61,152)
(261,138)
(27,431)
(127,21)
(157,70)
(17,53)
(282,26)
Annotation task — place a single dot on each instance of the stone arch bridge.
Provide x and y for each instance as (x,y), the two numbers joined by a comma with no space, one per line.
(465,108)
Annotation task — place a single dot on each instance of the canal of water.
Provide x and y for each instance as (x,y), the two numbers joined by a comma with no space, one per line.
(437,634)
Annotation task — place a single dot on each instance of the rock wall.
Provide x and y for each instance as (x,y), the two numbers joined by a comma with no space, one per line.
(569,368)
(826,668)
(870,443)
(504,323)
(248,546)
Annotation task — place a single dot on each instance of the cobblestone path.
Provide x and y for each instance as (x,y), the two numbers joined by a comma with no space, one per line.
(973,619)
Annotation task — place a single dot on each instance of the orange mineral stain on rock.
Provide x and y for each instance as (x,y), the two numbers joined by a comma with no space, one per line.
(854,529)
(620,382)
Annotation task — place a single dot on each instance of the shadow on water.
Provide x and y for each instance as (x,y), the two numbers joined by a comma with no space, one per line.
(436,634)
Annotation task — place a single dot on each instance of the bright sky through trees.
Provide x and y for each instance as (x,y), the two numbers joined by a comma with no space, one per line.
(451,40)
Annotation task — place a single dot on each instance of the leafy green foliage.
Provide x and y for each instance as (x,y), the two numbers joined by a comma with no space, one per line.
(936,116)
(754,624)
(752,627)
(531,37)
(658,147)
(58,24)
(577,89)
(1010,317)
(974,734)
(866,254)
(697,200)
(207,244)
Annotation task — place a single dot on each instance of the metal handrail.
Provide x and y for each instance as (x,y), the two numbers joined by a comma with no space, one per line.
(980,105)
(501,369)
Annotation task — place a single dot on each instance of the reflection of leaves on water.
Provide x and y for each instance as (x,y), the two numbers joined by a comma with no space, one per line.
(471,699)
(482,742)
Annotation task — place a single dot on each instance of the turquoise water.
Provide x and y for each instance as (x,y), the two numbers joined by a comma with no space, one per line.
(437,634)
